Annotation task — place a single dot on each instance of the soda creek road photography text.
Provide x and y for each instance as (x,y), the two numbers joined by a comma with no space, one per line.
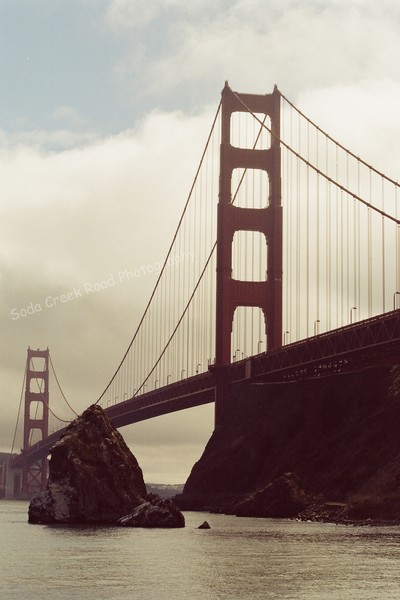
(89,288)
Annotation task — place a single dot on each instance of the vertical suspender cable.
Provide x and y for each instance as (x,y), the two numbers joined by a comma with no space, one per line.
(298,244)
(369,249)
(397,243)
(383,251)
(318,232)
(308,235)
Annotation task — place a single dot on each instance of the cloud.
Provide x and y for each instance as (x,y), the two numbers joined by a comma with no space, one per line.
(69,115)
(255,44)
(124,15)
(363,116)
(70,222)
(88,198)
(56,140)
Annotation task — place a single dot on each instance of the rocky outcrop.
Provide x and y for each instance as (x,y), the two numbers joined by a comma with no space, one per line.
(283,498)
(326,512)
(93,475)
(155,512)
(95,478)
(338,433)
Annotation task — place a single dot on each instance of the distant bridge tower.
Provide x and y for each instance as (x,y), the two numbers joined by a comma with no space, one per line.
(36,419)
(232,293)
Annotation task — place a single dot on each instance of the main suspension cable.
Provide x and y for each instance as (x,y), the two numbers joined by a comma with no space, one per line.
(331,139)
(19,409)
(59,386)
(167,256)
(185,310)
(318,171)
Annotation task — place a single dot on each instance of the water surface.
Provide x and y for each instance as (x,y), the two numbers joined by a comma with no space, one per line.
(236,559)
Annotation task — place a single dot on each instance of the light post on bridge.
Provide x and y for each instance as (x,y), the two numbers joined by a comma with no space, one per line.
(259,346)
(394,299)
(182,372)
(286,333)
(168,379)
(197,368)
(316,326)
(351,313)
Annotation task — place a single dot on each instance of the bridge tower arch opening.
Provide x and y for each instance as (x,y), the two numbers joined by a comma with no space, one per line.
(232,293)
(248,332)
(36,418)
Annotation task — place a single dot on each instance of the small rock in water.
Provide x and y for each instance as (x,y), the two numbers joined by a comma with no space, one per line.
(204,525)
(155,512)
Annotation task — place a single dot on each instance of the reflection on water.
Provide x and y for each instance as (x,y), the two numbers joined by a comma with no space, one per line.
(235,559)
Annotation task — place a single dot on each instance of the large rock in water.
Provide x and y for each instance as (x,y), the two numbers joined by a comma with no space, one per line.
(94,477)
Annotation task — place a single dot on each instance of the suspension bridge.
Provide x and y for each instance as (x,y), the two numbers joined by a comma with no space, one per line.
(285,264)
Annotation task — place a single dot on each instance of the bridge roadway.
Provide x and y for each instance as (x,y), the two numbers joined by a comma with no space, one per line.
(365,343)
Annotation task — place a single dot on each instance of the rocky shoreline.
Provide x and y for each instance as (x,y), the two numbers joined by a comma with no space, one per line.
(323,450)
(340,515)
(285,498)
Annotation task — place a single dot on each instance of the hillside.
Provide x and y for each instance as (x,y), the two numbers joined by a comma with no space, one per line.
(338,434)
(164,490)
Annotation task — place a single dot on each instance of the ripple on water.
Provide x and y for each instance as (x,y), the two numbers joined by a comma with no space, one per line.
(235,559)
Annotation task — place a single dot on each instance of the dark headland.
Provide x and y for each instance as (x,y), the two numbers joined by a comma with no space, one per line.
(320,449)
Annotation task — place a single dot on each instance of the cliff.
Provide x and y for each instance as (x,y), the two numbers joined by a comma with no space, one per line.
(338,434)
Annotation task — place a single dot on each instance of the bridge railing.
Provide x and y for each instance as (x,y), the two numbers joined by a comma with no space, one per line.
(329,350)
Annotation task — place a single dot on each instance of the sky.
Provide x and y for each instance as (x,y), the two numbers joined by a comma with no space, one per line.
(105,107)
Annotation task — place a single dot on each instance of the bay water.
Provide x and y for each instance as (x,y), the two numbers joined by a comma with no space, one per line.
(238,558)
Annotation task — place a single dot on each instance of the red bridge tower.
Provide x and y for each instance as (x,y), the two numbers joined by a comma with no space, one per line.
(36,419)
(232,293)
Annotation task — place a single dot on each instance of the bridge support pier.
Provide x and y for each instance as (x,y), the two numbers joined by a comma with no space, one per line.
(232,293)
(36,420)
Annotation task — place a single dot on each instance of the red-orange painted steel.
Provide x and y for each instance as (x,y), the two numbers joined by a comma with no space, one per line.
(34,474)
(231,293)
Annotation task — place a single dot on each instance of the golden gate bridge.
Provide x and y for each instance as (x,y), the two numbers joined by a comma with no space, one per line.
(284,265)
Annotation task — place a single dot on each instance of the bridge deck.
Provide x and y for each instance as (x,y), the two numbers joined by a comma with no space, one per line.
(365,343)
